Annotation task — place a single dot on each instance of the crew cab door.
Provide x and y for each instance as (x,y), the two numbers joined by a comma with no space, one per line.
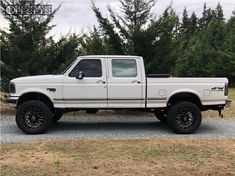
(124,83)
(89,92)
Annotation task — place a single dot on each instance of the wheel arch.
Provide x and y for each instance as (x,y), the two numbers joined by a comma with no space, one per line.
(190,96)
(35,95)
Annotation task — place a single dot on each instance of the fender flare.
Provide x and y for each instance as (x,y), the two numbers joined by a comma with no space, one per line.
(39,91)
(179,91)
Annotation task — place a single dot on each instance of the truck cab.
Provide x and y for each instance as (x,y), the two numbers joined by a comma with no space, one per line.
(101,82)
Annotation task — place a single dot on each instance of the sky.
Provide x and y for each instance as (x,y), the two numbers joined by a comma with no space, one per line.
(77,15)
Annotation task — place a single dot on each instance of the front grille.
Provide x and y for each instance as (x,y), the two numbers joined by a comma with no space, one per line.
(12,88)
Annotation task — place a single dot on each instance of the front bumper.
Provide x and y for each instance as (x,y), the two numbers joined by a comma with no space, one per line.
(12,101)
(228,103)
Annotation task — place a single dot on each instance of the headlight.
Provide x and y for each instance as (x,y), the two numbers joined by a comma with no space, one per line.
(226,90)
(12,87)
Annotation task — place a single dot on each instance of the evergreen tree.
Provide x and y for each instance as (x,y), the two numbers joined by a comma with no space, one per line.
(136,14)
(193,27)
(138,33)
(114,42)
(185,19)
(205,55)
(165,46)
(206,17)
(92,44)
(188,28)
(25,48)
(131,35)
(229,48)
(190,46)
(219,12)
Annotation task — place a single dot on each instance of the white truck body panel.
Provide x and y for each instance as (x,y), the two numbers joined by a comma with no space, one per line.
(85,93)
(112,92)
(125,92)
(39,84)
(160,90)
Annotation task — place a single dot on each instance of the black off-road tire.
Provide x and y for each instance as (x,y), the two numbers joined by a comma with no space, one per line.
(34,117)
(58,113)
(184,117)
(161,115)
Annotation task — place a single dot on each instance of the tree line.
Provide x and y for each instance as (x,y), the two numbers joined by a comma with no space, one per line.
(190,46)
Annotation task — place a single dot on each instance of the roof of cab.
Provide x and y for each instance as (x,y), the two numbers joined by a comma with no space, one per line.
(111,56)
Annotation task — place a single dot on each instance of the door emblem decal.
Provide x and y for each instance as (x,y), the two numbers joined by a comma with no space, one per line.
(217,89)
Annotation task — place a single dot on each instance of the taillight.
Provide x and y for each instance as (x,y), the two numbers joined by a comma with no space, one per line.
(226,90)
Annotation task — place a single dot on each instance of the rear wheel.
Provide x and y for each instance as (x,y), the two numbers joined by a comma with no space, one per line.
(184,117)
(33,117)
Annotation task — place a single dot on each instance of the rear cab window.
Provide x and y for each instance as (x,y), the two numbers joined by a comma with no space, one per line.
(124,68)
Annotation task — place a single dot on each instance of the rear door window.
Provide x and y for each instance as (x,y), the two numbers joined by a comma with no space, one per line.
(124,68)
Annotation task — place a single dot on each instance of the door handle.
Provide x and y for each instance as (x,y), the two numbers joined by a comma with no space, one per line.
(101,81)
(135,81)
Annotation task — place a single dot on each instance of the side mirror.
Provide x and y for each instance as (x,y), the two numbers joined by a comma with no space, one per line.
(80,75)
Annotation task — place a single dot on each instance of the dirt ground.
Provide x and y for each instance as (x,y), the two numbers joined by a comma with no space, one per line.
(120,157)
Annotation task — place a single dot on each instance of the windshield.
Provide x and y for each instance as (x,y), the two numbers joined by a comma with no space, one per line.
(69,67)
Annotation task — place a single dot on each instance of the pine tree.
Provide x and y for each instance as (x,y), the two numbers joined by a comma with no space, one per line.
(207,16)
(185,19)
(25,48)
(92,44)
(193,24)
(165,49)
(205,55)
(229,49)
(112,37)
(184,32)
(131,36)
(141,34)
(219,12)
(136,13)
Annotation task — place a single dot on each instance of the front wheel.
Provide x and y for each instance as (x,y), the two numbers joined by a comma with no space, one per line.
(58,113)
(184,117)
(161,115)
(33,117)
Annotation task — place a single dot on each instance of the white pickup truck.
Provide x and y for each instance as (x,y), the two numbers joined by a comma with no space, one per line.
(114,82)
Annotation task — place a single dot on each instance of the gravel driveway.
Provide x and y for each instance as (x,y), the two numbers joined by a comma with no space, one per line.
(116,127)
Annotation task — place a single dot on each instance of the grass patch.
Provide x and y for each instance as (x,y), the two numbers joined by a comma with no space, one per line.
(58,168)
(120,157)
(153,152)
(4,108)
(228,112)
(56,148)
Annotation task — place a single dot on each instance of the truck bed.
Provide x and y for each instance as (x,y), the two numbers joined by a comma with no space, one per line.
(160,90)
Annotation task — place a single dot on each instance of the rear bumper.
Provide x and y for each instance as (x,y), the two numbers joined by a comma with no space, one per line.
(228,103)
(12,101)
